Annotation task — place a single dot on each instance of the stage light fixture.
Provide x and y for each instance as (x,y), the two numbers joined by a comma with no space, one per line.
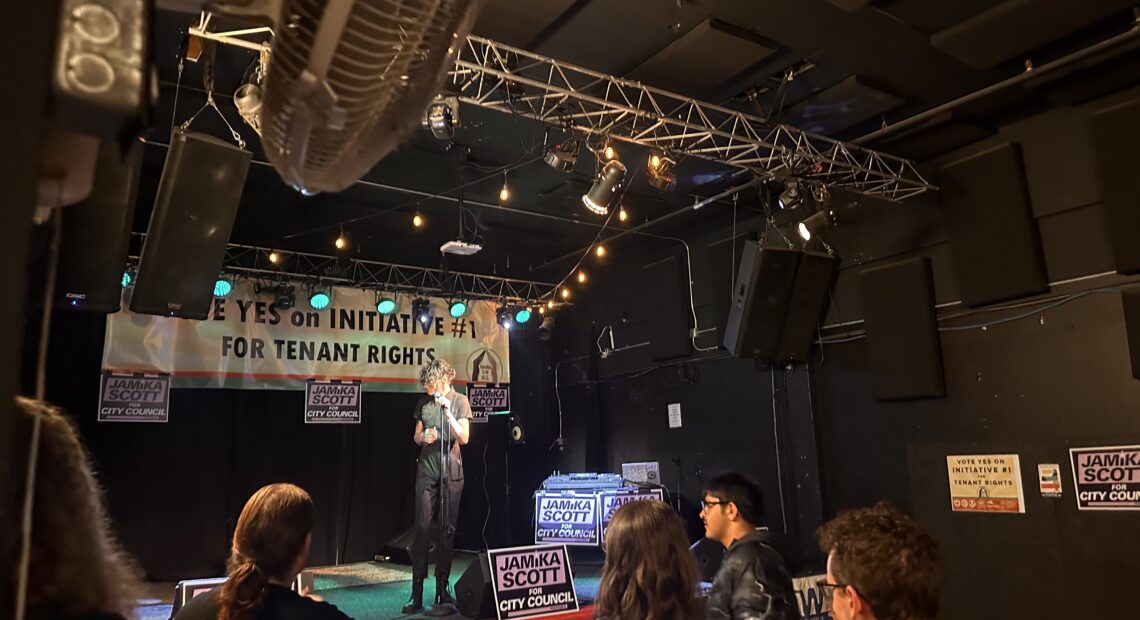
(607,184)
(418,220)
(503,317)
(421,310)
(284,296)
(562,157)
(320,296)
(223,286)
(386,304)
(791,197)
(522,315)
(441,117)
(128,278)
(816,222)
(546,329)
(659,169)
(457,308)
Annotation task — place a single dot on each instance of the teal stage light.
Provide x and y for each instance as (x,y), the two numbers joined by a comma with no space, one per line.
(522,315)
(386,305)
(457,309)
(223,287)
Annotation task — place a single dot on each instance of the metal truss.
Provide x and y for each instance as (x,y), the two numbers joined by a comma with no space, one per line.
(499,77)
(508,79)
(253,262)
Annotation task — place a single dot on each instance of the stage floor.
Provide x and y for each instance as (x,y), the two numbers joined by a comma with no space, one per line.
(369,590)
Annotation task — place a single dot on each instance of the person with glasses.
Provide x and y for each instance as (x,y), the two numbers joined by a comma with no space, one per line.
(881,565)
(753,581)
(443,420)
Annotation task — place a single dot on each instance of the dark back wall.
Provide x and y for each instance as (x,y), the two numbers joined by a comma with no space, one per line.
(1037,385)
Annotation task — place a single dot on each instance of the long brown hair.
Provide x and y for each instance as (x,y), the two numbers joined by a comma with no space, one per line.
(649,571)
(270,535)
(76,566)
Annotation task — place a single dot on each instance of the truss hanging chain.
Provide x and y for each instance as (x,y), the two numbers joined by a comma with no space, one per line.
(499,77)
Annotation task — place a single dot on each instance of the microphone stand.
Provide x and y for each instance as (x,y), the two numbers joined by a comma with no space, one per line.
(444,495)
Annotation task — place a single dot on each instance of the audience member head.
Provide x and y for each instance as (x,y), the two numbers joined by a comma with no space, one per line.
(881,565)
(271,544)
(731,507)
(75,567)
(649,571)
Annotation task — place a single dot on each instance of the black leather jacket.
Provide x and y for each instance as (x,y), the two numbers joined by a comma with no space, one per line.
(753,583)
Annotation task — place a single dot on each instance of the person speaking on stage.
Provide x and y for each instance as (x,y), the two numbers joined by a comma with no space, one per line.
(442,426)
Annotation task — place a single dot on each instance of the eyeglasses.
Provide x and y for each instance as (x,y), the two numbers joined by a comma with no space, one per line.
(706,503)
(829,589)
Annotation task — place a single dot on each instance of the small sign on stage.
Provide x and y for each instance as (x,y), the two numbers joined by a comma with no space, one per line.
(530,582)
(134,398)
(1107,478)
(487,398)
(332,402)
(613,500)
(567,519)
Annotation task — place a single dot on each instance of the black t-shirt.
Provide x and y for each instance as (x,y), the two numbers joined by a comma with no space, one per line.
(280,603)
(428,413)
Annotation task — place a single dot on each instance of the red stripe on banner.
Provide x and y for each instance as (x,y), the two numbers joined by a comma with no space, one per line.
(269,375)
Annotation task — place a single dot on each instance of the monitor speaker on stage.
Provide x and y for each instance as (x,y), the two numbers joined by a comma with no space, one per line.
(778,299)
(194,212)
(399,549)
(473,596)
(97,233)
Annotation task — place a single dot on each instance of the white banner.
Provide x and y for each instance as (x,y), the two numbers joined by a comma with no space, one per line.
(250,343)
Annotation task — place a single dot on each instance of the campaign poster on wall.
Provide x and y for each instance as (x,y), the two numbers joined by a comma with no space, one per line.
(134,398)
(487,399)
(1107,478)
(332,402)
(985,483)
(1049,479)
(566,519)
(531,582)
(611,501)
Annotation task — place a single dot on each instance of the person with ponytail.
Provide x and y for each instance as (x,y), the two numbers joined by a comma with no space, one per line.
(270,548)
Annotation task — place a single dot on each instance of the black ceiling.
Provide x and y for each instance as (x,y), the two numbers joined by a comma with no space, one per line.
(857,65)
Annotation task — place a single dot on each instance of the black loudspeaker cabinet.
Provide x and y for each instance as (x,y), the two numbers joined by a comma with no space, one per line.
(194,212)
(473,596)
(989,221)
(903,349)
(778,299)
(1115,132)
(1131,299)
(399,549)
(97,233)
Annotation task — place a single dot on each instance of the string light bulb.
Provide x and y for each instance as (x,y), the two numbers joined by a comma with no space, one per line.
(565,293)
(417,220)
(609,152)
(622,215)
(341,242)
(600,250)
(550,304)
(505,193)
(581,276)
(274,257)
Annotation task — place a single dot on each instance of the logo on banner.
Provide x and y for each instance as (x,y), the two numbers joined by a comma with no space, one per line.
(486,399)
(567,519)
(612,501)
(530,582)
(1107,478)
(332,402)
(484,366)
(1049,479)
(134,398)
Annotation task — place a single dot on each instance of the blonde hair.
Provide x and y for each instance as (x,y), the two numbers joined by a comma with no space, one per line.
(76,565)
(435,371)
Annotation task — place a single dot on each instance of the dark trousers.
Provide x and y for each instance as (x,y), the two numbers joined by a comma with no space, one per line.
(432,504)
